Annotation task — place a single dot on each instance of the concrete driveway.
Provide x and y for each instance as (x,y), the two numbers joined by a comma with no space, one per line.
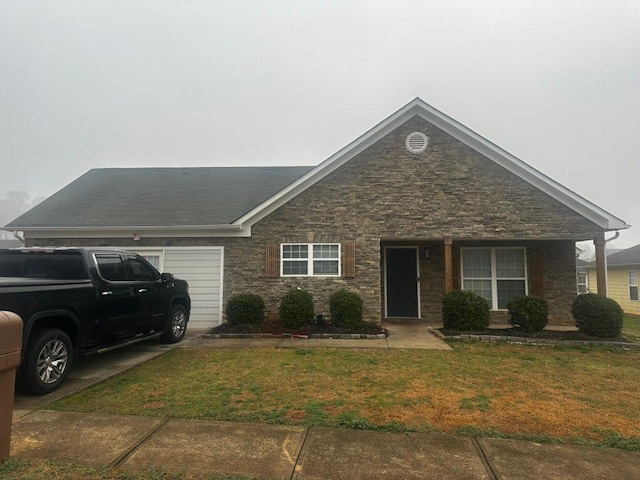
(92,369)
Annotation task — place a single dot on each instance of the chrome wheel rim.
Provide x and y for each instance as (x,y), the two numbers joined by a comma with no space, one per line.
(52,361)
(178,323)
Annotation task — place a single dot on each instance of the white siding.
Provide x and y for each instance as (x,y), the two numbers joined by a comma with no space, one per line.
(202,268)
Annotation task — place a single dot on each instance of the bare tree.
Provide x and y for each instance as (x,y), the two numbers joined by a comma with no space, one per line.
(12,205)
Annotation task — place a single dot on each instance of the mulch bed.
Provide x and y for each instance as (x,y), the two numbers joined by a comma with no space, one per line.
(545,334)
(276,328)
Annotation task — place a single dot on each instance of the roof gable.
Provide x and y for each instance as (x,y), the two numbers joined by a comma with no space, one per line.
(592,212)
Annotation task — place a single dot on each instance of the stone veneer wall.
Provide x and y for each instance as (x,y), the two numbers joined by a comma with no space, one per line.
(388,194)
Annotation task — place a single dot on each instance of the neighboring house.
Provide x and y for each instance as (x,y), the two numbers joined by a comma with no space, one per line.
(582,275)
(415,207)
(622,276)
(10,243)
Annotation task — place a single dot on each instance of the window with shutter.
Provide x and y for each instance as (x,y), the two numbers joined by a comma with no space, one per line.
(310,260)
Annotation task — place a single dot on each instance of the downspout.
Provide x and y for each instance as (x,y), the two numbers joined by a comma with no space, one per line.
(17,235)
(606,268)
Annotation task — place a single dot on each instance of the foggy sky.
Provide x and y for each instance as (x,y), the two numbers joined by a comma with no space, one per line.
(88,84)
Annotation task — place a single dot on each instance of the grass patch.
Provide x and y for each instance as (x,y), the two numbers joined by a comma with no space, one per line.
(14,469)
(586,395)
(631,327)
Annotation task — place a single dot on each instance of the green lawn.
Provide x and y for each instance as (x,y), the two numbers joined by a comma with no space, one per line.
(583,395)
(631,327)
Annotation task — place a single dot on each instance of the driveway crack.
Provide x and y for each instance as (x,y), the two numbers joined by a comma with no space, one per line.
(493,474)
(120,459)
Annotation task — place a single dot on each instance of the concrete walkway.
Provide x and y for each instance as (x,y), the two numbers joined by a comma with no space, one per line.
(288,452)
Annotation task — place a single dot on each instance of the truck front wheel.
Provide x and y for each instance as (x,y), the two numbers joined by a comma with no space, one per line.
(47,361)
(177,325)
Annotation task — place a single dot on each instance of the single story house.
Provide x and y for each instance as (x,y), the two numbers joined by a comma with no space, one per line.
(622,278)
(415,207)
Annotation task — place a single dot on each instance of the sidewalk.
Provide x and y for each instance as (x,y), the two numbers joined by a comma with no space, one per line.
(290,452)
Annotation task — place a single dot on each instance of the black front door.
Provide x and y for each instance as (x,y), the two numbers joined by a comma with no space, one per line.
(402,282)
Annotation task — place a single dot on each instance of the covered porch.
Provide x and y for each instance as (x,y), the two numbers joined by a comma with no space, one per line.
(417,274)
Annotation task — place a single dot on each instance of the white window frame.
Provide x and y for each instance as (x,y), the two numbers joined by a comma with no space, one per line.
(152,253)
(494,273)
(585,283)
(310,259)
(631,285)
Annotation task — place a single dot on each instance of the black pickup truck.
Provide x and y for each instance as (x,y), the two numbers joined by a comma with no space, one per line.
(78,301)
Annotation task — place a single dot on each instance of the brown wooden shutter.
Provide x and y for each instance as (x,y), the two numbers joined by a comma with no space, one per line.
(455,261)
(272,263)
(349,259)
(536,263)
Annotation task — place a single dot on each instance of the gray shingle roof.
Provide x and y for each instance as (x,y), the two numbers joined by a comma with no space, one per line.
(630,256)
(159,197)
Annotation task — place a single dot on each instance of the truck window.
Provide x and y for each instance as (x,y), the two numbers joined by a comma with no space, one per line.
(43,265)
(141,271)
(111,267)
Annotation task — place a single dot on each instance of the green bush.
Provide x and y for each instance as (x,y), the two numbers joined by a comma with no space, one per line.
(465,311)
(597,315)
(296,308)
(528,312)
(245,308)
(346,309)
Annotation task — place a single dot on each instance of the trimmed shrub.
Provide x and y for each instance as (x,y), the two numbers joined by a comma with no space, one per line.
(465,311)
(597,316)
(245,308)
(296,308)
(528,312)
(346,309)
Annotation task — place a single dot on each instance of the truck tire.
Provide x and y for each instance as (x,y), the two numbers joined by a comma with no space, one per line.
(46,362)
(177,326)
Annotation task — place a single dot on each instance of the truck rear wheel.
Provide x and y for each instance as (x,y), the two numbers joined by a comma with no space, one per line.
(177,327)
(47,361)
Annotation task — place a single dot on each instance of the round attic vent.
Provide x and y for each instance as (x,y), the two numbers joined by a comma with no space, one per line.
(416,142)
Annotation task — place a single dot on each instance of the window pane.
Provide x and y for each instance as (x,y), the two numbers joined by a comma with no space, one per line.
(111,268)
(295,251)
(507,289)
(325,267)
(480,287)
(153,260)
(476,263)
(633,284)
(294,267)
(325,251)
(141,271)
(510,263)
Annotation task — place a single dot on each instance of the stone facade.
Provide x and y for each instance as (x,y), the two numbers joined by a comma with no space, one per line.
(389,196)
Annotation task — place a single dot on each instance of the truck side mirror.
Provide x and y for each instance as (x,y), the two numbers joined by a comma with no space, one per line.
(167,277)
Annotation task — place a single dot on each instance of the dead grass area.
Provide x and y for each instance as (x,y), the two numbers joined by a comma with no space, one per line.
(574,394)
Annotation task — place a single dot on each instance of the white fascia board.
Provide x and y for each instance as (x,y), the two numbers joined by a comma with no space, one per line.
(525,171)
(592,212)
(329,165)
(217,231)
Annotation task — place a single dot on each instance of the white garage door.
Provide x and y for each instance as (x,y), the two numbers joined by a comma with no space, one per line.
(202,268)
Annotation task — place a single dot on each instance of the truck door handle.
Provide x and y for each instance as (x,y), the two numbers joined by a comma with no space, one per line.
(142,290)
(107,293)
